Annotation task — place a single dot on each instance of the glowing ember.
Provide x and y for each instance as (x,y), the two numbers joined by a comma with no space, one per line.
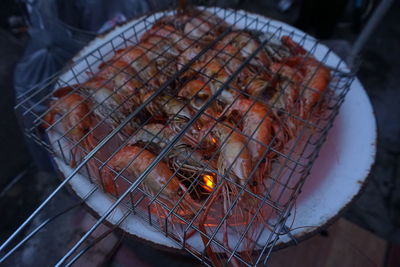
(209,182)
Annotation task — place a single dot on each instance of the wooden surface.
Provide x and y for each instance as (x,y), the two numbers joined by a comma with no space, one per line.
(343,244)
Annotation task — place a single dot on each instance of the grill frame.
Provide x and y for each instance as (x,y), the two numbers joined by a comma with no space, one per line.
(34,134)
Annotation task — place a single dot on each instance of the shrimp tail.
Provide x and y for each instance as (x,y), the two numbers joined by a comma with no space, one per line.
(63,91)
(294,47)
(72,161)
(91,143)
(49,117)
(107,182)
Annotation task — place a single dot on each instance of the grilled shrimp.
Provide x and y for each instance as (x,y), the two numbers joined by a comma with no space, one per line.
(228,54)
(198,29)
(164,106)
(198,93)
(256,86)
(170,45)
(216,75)
(156,133)
(163,53)
(110,106)
(255,123)
(158,47)
(74,109)
(137,58)
(187,162)
(181,18)
(289,85)
(76,121)
(196,25)
(122,79)
(178,112)
(247,45)
(248,79)
(294,48)
(188,55)
(160,181)
(234,157)
(169,33)
(234,161)
(313,75)
(316,78)
(161,135)
(212,19)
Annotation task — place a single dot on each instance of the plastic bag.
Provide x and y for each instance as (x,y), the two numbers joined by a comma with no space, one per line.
(58,30)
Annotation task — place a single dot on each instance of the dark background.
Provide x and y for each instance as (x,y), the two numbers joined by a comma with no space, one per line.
(22,185)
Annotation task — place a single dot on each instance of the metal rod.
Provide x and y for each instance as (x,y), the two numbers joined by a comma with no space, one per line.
(366,32)
(97,240)
(36,230)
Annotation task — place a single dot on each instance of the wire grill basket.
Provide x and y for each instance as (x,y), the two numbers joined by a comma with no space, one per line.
(213,232)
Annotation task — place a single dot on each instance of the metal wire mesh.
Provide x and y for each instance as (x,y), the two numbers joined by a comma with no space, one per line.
(233,233)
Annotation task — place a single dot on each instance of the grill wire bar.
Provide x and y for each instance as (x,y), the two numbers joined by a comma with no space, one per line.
(297,160)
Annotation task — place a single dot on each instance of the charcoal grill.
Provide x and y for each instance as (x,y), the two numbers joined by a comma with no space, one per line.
(128,211)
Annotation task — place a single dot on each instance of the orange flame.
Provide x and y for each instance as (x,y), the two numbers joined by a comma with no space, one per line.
(209,182)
